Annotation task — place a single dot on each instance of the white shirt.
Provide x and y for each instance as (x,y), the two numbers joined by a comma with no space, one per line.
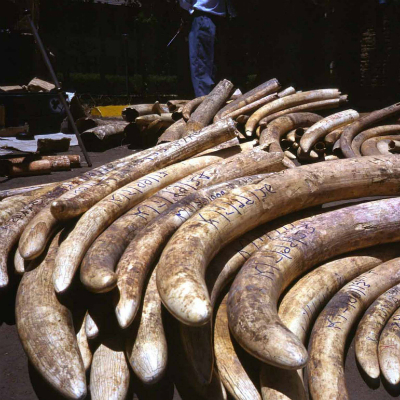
(216,7)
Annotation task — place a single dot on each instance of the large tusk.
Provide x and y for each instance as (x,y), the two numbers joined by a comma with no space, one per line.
(312,106)
(148,352)
(20,265)
(306,299)
(331,138)
(24,191)
(170,153)
(255,94)
(272,135)
(370,328)
(205,112)
(36,234)
(389,349)
(100,261)
(364,122)
(233,375)
(326,125)
(370,133)
(191,106)
(286,102)
(175,131)
(326,366)
(109,374)
(258,103)
(46,331)
(141,254)
(102,214)
(83,344)
(252,302)
(180,276)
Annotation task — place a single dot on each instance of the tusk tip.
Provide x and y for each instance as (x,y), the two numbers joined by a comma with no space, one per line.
(103,284)
(125,313)
(392,376)
(78,390)
(197,312)
(3,280)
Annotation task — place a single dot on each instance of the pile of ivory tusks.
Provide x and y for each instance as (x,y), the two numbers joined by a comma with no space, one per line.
(189,246)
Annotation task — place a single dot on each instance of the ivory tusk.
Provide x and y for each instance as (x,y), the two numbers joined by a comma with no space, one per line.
(281,384)
(101,259)
(336,149)
(109,373)
(331,138)
(191,107)
(326,366)
(173,105)
(24,191)
(258,103)
(180,275)
(232,374)
(281,260)
(306,299)
(20,265)
(371,146)
(145,120)
(159,108)
(271,135)
(255,94)
(141,254)
(287,102)
(361,124)
(83,345)
(205,112)
(370,133)
(311,106)
(175,131)
(370,328)
(130,113)
(102,214)
(242,119)
(91,329)
(171,153)
(46,330)
(388,350)
(36,234)
(148,352)
(316,132)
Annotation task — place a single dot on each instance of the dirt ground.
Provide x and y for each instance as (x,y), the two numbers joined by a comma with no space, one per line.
(20,381)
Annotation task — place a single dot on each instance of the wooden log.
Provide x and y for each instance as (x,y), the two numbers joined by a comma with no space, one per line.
(364,122)
(255,94)
(180,275)
(46,330)
(209,107)
(377,131)
(130,113)
(171,153)
(287,102)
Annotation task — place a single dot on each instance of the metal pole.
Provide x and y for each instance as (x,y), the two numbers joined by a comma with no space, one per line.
(57,84)
(125,36)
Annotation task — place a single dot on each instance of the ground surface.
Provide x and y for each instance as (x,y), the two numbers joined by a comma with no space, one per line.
(19,381)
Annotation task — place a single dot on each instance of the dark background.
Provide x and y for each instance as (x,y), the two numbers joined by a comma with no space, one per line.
(352,45)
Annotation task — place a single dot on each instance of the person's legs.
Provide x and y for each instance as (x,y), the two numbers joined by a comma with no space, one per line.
(201,54)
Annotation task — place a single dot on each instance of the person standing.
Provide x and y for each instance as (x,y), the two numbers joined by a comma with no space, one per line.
(207,17)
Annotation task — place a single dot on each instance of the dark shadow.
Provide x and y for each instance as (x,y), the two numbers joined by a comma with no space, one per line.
(393,390)
(371,382)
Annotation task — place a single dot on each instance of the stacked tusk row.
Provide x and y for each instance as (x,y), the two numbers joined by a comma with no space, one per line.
(189,247)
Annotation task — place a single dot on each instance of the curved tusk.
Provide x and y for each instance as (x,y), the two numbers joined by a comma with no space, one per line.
(169,153)
(180,276)
(107,210)
(46,331)
(388,350)
(232,374)
(370,328)
(252,302)
(141,254)
(361,124)
(100,261)
(321,128)
(148,352)
(109,374)
(371,146)
(83,344)
(326,366)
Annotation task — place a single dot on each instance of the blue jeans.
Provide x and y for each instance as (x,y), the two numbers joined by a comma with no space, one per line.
(201,54)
